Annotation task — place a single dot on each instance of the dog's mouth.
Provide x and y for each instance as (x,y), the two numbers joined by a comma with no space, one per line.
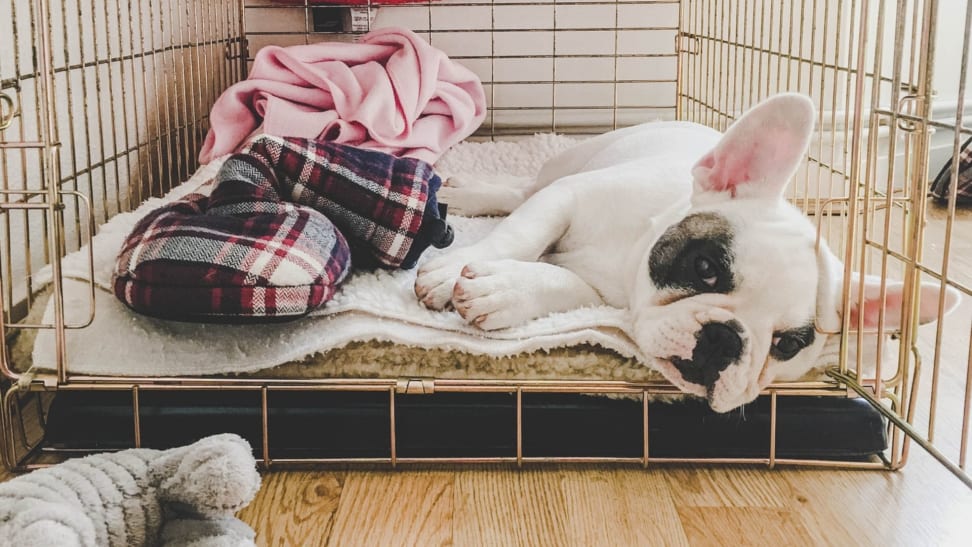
(673,374)
(672,369)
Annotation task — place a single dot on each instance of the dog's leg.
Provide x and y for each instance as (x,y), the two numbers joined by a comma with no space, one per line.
(525,235)
(473,197)
(498,294)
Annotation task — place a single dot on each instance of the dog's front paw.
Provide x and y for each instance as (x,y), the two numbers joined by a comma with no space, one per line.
(491,295)
(435,279)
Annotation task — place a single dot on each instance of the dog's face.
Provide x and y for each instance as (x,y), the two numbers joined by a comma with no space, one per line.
(730,300)
(730,295)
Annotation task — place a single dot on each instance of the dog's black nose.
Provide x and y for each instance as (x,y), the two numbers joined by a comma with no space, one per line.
(717,346)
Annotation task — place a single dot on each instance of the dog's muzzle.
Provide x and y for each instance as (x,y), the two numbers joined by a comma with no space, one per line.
(717,346)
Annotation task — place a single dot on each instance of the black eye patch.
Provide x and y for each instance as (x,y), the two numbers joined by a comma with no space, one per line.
(694,255)
(786,344)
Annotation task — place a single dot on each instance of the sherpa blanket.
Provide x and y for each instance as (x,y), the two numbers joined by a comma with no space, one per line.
(390,91)
(370,306)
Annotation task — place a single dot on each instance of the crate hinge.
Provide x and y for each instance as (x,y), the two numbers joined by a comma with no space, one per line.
(415,386)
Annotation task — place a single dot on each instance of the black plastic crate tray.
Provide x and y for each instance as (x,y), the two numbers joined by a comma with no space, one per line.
(357,425)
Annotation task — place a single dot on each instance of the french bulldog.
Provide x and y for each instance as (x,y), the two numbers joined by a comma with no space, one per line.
(727,286)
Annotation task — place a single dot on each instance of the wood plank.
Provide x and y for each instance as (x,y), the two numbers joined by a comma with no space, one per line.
(919,505)
(510,507)
(620,506)
(294,507)
(395,508)
(727,486)
(734,526)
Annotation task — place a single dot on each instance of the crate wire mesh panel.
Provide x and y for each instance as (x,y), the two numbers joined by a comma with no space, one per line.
(890,83)
(105,105)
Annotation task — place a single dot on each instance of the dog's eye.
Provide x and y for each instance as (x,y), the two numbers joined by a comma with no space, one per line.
(786,346)
(707,271)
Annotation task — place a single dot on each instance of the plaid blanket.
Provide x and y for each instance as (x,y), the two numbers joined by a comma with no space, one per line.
(940,187)
(384,205)
(274,237)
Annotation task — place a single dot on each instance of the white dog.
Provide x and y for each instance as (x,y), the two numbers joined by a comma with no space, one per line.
(685,227)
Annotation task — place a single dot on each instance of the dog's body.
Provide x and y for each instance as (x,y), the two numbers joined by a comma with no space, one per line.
(682,225)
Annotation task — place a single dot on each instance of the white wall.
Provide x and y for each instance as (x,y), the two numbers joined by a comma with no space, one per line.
(557,59)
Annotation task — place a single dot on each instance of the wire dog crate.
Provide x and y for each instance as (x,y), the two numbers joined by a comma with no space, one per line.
(105,104)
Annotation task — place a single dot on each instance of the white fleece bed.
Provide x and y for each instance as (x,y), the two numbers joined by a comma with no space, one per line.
(371,308)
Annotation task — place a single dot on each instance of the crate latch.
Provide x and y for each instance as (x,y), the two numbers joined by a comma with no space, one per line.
(688,43)
(415,386)
(8,111)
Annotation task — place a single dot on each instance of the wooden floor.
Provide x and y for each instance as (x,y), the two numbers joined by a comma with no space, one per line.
(589,505)
(602,505)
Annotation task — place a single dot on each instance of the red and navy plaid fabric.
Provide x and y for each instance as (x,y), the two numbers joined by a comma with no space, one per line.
(383,204)
(940,188)
(263,243)
(239,254)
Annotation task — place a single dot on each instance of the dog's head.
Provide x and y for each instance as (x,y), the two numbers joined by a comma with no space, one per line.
(729,295)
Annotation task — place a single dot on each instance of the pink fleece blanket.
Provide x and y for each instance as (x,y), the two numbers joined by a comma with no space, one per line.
(391,91)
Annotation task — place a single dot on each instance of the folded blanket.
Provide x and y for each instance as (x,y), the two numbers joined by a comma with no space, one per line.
(262,243)
(390,91)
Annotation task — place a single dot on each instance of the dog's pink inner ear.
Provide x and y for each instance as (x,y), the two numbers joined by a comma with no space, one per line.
(727,169)
(871,310)
(751,162)
(760,152)
(871,307)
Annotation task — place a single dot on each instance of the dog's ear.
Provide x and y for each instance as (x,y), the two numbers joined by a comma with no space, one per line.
(760,152)
(871,305)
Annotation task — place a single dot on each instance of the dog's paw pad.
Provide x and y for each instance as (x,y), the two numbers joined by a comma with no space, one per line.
(488,296)
(435,282)
(498,321)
